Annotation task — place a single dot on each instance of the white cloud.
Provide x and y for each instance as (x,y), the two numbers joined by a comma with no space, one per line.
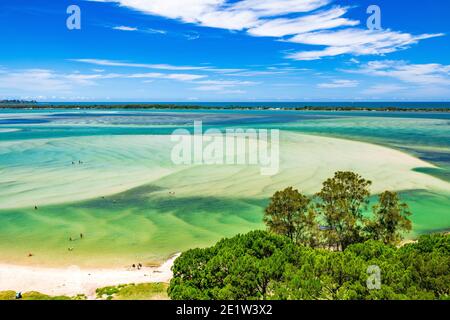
(279,7)
(228,71)
(280,18)
(125,28)
(33,80)
(339,84)
(36,80)
(192,35)
(381,89)
(161,66)
(224,86)
(288,26)
(257,73)
(112,63)
(174,76)
(148,30)
(157,31)
(418,74)
(224,14)
(354,41)
(44,80)
(224,70)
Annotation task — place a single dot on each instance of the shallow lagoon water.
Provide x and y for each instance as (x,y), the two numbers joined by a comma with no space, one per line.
(119,197)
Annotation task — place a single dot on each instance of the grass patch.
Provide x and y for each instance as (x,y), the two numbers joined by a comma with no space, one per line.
(144,291)
(33,295)
(7,295)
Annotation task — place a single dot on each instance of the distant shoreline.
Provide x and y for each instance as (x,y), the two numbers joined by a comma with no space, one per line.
(24,106)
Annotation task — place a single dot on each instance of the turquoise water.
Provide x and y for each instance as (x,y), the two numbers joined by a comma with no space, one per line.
(272,104)
(141,221)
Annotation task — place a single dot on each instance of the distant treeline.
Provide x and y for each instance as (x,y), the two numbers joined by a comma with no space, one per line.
(18,102)
(13,104)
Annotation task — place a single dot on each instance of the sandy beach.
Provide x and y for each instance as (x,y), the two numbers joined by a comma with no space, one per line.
(73,280)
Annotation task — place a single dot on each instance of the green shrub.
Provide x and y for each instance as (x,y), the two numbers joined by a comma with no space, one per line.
(261,265)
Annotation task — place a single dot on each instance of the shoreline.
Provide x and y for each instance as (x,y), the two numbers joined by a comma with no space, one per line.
(180,107)
(72,281)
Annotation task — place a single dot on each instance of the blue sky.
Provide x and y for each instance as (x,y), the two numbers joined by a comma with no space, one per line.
(225,50)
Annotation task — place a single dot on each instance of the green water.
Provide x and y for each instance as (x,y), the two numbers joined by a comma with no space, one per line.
(145,223)
(131,226)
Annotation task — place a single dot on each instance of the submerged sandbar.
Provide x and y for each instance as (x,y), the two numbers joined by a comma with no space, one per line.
(133,205)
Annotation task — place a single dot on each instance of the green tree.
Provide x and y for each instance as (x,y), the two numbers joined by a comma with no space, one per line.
(341,203)
(239,268)
(289,213)
(428,262)
(261,265)
(390,219)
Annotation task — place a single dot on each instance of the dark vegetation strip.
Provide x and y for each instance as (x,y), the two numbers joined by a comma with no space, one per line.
(33,105)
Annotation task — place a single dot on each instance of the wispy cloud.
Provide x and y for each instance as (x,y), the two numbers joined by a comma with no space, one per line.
(33,80)
(158,66)
(268,71)
(419,74)
(257,73)
(113,63)
(223,86)
(37,80)
(338,84)
(192,35)
(354,41)
(381,89)
(135,29)
(45,80)
(224,14)
(155,31)
(173,76)
(87,79)
(125,28)
(327,28)
(281,27)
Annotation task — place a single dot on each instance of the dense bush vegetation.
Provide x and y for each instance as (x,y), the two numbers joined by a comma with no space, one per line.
(321,247)
(261,265)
